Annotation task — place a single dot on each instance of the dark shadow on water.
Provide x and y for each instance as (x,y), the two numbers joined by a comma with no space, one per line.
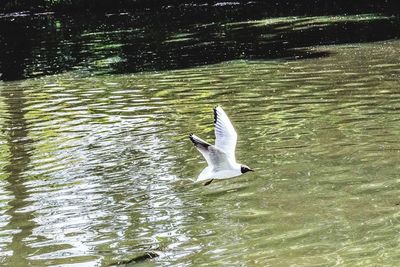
(168,38)
(218,43)
(274,7)
(21,222)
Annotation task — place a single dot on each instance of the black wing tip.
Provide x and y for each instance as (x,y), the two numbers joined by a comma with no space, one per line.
(216,114)
(198,142)
(192,139)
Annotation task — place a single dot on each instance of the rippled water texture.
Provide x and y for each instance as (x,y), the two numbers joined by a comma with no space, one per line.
(97,170)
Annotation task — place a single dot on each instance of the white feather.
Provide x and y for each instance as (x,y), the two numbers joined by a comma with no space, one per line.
(225,134)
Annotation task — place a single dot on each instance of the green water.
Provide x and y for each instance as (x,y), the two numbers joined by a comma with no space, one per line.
(97,170)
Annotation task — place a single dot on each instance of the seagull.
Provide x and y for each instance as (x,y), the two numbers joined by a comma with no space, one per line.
(221,156)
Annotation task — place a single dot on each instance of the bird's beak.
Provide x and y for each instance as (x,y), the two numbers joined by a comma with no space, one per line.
(251,170)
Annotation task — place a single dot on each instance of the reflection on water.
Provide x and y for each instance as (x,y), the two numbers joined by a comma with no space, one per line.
(20,219)
(99,170)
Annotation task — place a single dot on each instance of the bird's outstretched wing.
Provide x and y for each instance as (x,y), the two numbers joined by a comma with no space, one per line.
(225,134)
(215,157)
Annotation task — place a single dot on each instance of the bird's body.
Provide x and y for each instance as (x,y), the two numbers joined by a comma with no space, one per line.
(221,156)
(208,173)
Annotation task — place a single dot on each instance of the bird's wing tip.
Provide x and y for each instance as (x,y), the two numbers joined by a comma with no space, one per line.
(216,113)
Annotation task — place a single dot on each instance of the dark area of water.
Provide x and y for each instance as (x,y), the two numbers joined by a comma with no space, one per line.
(175,36)
(276,7)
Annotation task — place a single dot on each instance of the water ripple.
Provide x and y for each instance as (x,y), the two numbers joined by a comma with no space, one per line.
(96,170)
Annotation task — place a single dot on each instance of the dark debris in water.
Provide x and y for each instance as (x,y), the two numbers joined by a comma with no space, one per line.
(144,257)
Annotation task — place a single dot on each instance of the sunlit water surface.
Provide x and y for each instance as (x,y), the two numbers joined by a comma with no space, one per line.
(99,170)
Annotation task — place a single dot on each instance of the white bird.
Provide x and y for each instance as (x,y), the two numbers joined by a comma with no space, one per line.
(221,156)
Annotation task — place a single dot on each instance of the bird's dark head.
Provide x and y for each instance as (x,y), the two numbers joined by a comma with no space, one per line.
(244,169)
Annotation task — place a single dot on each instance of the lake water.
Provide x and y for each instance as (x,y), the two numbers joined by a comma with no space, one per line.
(97,170)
